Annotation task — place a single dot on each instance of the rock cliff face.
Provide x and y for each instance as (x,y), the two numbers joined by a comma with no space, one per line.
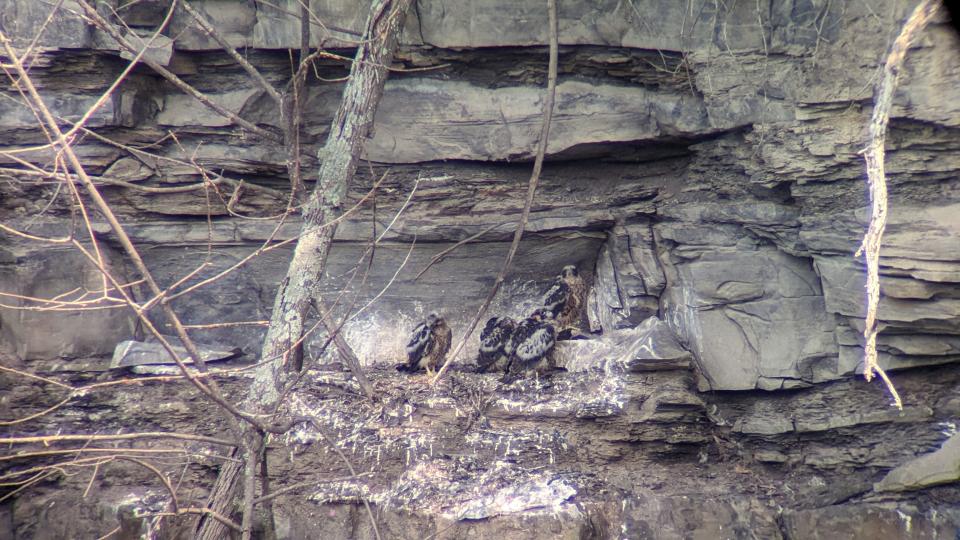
(702,171)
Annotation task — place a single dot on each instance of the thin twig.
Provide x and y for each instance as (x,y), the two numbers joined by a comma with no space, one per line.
(159,474)
(37,377)
(82,450)
(47,439)
(440,256)
(202,511)
(309,483)
(531,189)
(346,352)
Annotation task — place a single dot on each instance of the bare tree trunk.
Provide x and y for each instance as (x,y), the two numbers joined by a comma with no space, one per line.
(349,131)
(221,497)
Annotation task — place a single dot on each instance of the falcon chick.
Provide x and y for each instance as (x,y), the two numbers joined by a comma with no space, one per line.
(566,298)
(495,346)
(428,346)
(531,345)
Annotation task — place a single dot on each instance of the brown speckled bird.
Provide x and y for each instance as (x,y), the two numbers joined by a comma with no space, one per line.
(567,298)
(532,346)
(495,344)
(428,346)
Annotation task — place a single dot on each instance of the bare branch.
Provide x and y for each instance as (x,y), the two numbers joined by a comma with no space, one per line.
(105,25)
(163,479)
(37,377)
(87,450)
(440,256)
(531,188)
(47,439)
(309,483)
(349,357)
(873,154)
(247,66)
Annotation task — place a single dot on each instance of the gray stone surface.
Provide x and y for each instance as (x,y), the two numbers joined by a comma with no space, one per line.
(138,353)
(703,172)
(20,20)
(753,316)
(32,328)
(424,120)
(854,522)
(939,467)
(650,346)
(648,515)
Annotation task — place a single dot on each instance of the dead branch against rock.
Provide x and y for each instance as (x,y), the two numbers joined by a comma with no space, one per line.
(94,450)
(346,352)
(247,66)
(308,484)
(105,25)
(36,479)
(291,106)
(145,157)
(76,392)
(220,518)
(443,254)
(49,439)
(38,414)
(873,155)
(57,137)
(314,20)
(109,92)
(531,188)
(251,460)
(270,245)
(162,477)
(36,377)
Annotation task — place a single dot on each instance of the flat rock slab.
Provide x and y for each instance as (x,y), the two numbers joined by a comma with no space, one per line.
(939,467)
(137,353)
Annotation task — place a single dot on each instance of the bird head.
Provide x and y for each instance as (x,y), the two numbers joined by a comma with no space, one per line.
(434,320)
(569,271)
(541,314)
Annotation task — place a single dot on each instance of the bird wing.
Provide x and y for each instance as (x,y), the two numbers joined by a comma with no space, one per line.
(419,343)
(535,342)
(556,297)
(496,334)
(489,337)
